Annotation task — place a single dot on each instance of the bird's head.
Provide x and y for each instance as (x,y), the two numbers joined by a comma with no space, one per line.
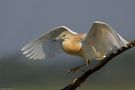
(64,36)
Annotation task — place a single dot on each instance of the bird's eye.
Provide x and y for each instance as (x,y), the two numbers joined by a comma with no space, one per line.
(64,35)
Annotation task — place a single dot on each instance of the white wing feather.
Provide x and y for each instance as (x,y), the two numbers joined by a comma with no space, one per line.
(100,41)
(43,47)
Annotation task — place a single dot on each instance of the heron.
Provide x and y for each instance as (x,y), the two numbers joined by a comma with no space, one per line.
(94,45)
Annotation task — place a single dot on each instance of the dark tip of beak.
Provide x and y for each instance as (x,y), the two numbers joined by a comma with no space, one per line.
(54,40)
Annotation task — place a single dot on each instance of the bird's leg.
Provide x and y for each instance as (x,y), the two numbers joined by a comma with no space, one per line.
(78,68)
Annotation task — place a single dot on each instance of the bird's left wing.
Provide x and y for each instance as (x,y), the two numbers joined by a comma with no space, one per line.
(44,47)
(101,40)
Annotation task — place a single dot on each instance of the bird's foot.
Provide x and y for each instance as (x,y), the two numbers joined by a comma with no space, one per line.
(78,68)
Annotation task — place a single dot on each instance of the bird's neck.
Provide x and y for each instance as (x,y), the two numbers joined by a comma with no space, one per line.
(72,47)
(78,37)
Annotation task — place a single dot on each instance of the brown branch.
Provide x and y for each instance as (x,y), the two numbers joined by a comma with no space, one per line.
(77,82)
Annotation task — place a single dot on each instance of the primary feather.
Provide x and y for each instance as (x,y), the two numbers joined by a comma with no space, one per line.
(101,40)
(43,47)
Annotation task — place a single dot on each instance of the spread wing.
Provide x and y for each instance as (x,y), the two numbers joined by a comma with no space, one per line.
(44,47)
(101,40)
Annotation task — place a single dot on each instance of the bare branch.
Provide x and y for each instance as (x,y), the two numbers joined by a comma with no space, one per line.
(77,82)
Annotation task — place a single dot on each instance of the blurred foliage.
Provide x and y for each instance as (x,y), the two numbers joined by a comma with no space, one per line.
(16,71)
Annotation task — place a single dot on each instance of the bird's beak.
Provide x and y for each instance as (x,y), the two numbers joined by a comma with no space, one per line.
(58,38)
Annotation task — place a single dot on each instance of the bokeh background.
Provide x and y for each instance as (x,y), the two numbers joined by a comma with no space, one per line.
(24,20)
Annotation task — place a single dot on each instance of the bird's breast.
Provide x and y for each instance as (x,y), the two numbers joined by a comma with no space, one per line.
(73,48)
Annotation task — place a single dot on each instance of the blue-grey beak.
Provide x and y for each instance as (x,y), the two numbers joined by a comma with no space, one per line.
(58,38)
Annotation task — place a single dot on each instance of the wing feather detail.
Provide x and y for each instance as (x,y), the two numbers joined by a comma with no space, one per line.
(43,47)
(101,40)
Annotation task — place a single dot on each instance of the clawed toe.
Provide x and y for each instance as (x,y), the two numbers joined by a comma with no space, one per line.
(73,70)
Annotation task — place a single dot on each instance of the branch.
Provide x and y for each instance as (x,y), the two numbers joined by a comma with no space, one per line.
(77,82)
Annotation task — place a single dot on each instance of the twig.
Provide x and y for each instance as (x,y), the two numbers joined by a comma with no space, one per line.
(77,82)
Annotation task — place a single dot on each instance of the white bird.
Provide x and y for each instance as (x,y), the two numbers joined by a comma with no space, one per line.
(95,45)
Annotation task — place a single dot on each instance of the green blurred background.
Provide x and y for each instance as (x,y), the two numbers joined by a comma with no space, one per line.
(22,74)
(23,20)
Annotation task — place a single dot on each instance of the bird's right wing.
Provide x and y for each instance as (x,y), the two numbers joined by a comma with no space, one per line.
(44,47)
(101,40)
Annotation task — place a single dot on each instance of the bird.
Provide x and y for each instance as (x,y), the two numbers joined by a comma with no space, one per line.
(100,40)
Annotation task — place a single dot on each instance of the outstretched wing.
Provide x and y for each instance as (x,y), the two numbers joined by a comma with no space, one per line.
(44,47)
(101,40)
